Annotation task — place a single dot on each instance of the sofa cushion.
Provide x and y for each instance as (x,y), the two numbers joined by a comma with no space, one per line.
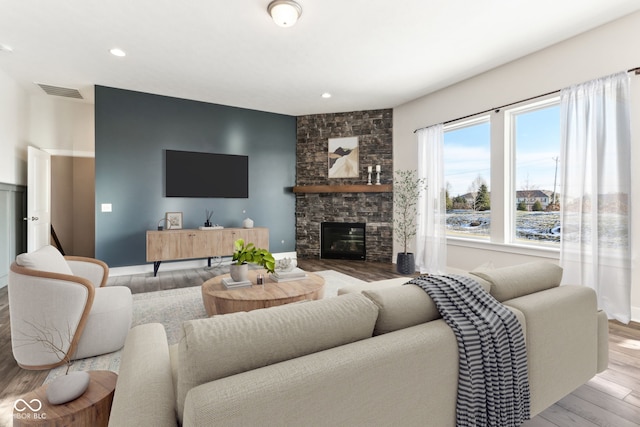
(404,306)
(228,344)
(519,280)
(47,258)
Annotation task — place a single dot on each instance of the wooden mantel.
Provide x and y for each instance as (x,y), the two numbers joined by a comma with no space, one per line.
(352,188)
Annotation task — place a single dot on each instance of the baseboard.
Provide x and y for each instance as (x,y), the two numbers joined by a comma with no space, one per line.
(635,314)
(179,265)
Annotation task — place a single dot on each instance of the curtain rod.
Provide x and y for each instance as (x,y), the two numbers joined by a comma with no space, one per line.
(496,109)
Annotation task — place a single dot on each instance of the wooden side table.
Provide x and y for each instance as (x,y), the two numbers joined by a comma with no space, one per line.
(90,409)
(218,299)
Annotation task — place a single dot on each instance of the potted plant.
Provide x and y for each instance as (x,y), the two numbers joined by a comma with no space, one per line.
(244,255)
(406,192)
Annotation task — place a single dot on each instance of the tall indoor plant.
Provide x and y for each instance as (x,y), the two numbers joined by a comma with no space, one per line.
(244,255)
(406,192)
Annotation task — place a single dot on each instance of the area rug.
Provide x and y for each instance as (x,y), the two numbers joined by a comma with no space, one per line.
(171,308)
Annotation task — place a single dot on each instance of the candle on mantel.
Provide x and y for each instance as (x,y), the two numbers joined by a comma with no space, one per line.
(377,168)
(369,169)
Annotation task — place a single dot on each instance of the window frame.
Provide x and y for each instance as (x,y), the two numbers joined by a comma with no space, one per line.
(502,234)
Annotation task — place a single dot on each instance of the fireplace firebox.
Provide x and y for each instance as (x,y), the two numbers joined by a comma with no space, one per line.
(343,240)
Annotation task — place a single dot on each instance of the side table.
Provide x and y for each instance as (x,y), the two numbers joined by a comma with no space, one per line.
(90,409)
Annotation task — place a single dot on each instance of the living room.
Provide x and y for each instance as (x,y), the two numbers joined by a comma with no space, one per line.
(127,130)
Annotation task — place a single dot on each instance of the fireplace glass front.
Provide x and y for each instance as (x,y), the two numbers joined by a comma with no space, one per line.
(343,240)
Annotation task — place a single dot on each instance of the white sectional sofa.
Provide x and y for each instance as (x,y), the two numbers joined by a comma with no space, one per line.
(378,356)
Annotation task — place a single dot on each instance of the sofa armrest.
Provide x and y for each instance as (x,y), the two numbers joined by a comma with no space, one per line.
(144,392)
(562,341)
(91,269)
(603,341)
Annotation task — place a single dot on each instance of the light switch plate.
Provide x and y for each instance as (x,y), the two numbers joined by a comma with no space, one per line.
(106,207)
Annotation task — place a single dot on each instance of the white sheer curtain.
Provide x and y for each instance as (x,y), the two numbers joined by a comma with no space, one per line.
(596,191)
(431,239)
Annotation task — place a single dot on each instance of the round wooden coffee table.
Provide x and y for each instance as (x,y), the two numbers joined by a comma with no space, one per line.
(90,409)
(220,300)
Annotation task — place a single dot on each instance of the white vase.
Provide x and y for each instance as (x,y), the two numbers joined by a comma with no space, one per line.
(247,223)
(66,388)
(239,273)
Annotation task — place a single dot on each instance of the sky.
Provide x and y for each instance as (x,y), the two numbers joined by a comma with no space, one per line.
(467,153)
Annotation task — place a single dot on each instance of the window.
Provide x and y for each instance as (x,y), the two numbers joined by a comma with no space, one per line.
(519,148)
(467,170)
(535,136)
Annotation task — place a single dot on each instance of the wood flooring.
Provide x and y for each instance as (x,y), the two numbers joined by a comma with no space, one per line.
(609,399)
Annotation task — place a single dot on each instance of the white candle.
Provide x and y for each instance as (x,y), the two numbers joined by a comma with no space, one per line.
(377,168)
(369,169)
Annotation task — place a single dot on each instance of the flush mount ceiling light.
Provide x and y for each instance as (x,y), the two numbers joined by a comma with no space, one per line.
(117,52)
(326,95)
(285,13)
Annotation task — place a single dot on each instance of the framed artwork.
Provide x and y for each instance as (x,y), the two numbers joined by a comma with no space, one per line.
(343,157)
(174,220)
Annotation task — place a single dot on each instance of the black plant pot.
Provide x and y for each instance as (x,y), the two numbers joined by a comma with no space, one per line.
(406,263)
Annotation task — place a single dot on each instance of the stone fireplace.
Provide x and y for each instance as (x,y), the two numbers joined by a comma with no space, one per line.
(344,200)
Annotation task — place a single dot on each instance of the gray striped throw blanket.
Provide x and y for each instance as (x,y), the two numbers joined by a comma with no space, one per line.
(493,384)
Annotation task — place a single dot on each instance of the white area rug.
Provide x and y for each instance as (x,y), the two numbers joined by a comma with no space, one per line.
(171,308)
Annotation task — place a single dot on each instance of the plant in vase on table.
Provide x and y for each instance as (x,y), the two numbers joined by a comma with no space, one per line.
(244,255)
(406,193)
(71,385)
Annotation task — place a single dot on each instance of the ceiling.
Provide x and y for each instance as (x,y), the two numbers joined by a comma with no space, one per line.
(368,54)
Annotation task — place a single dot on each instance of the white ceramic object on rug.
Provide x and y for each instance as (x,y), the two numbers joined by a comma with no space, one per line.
(247,223)
(68,387)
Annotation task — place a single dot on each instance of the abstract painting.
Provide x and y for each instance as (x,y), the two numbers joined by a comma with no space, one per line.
(343,157)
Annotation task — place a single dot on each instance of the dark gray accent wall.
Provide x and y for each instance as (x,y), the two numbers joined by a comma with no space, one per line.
(132,131)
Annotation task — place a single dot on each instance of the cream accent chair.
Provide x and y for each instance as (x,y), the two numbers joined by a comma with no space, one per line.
(61,310)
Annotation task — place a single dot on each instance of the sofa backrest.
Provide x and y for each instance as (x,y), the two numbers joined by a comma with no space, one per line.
(519,280)
(405,306)
(408,305)
(224,345)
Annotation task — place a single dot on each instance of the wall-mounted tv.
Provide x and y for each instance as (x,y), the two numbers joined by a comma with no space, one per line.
(192,174)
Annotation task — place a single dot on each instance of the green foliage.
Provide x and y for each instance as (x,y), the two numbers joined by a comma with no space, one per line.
(449,202)
(537,206)
(406,191)
(250,254)
(522,206)
(459,202)
(483,200)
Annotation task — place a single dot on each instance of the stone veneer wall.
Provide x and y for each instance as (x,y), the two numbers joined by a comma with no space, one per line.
(374,132)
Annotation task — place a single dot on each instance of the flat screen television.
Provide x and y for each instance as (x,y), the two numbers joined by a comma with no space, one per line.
(192,174)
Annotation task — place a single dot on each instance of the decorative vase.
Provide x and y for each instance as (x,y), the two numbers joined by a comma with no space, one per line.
(68,387)
(406,263)
(247,223)
(239,273)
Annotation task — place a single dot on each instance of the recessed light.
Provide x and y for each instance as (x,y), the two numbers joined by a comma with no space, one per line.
(326,95)
(5,48)
(117,52)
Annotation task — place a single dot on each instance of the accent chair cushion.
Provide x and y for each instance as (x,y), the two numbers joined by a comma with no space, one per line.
(47,258)
(228,344)
(519,280)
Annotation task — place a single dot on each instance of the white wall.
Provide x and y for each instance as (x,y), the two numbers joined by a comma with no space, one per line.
(62,125)
(56,124)
(13,132)
(605,50)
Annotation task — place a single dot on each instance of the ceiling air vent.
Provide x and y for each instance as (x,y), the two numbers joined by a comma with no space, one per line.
(60,91)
